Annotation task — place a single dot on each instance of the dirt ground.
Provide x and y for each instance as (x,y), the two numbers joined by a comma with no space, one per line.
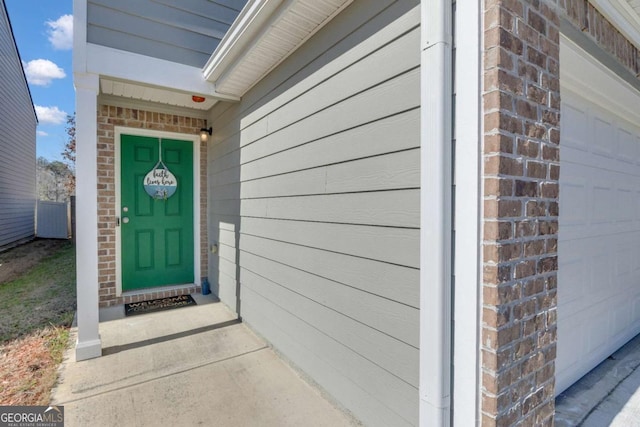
(16,261)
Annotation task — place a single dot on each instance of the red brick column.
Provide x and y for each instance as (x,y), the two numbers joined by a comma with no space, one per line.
(108,118)
(521,108)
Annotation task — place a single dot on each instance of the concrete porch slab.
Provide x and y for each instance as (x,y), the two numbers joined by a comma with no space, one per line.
(188,366)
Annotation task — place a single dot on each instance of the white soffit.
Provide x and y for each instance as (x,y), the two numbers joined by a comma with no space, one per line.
(263,35)
(624,15)
(144,71)
(158,95)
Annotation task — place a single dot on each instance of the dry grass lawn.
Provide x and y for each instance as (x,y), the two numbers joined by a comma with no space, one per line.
(37,303)
(28,366)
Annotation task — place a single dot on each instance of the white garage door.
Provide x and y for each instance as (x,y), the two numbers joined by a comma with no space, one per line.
(599,241)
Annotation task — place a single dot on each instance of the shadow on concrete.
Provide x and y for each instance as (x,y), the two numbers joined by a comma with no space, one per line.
(119,348)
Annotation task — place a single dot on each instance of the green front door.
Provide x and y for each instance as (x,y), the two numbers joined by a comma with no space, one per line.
(156,233)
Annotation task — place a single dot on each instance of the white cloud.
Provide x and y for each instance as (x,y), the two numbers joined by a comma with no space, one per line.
(42,133)
(61,32)
(51,115)
(41,72)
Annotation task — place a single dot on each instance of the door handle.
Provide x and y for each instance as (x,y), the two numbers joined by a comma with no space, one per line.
(125,220)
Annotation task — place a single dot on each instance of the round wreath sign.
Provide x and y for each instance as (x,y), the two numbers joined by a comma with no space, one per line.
(159,182)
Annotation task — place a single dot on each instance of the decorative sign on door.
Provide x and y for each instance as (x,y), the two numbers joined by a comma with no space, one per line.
(160,183)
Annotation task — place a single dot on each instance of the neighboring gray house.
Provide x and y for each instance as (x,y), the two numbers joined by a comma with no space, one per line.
(18,123)
(421,216)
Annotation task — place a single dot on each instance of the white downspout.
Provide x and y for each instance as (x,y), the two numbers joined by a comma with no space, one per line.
(435,217)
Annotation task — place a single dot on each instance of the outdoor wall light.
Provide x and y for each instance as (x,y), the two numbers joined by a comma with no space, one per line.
(204,134)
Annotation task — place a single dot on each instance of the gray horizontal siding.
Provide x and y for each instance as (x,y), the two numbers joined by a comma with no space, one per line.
(186,32)
(333,366)
(314,201)
(17,144)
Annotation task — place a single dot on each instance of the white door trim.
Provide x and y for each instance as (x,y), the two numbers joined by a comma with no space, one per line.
(195,139)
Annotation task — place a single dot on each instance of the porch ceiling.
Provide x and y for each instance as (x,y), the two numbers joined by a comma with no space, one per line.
(264,34)
(137,91)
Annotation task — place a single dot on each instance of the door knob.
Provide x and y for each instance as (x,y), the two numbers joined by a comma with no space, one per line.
(125,220)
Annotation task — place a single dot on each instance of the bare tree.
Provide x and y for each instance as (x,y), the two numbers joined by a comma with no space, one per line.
(69,152)
(52,178)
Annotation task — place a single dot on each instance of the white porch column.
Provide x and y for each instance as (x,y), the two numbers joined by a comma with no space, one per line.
(88,345)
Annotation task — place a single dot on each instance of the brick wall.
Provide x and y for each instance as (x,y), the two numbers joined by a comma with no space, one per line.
(587,19)
(521,108)
(108,118)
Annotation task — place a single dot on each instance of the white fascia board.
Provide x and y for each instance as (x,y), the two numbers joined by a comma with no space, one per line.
(242,31)
(128,66)
(578,72)
(622,16)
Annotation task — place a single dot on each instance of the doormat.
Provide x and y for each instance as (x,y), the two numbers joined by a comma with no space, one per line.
(158,304)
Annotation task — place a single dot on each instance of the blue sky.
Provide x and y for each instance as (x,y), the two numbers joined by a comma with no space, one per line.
(42,29)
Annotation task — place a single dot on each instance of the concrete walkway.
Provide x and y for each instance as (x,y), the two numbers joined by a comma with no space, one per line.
(609,395)
(184,367)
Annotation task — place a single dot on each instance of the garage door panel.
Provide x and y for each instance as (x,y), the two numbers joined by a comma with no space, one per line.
(601,272)
(603,196)
(571,295)
(635,312)
(623,252)
(621,318)
(603,138)
(597,203)
(625,205)
(575,126)
(636,260)
(575,190)
(627,146)
(624,265)
(598,330)
(589,346)
(587,159)
(571,352)
(599,241)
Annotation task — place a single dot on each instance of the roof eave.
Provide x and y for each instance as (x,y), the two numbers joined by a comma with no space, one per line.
(242,31)
(248,34)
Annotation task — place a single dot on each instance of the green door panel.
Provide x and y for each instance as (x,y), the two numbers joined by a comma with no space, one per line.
(157,238)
